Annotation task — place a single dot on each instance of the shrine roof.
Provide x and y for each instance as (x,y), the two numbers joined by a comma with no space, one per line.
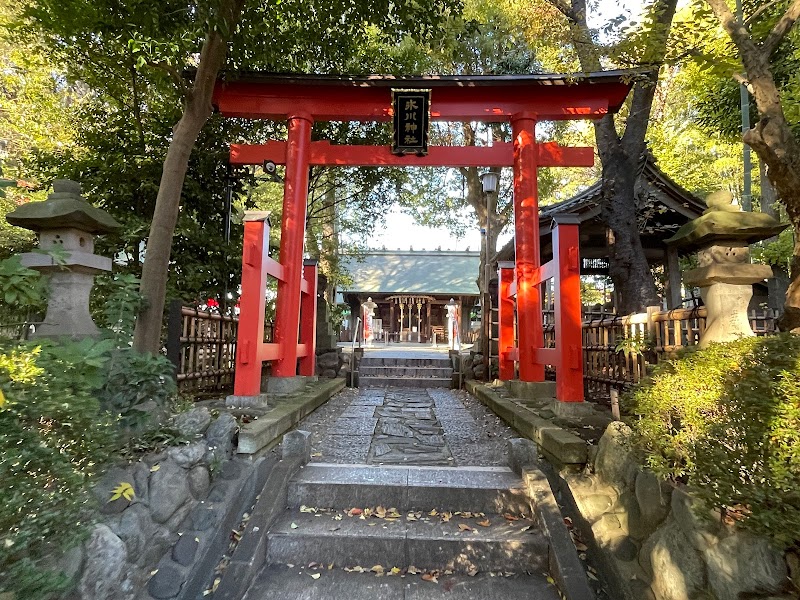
(674,206)
(432,272)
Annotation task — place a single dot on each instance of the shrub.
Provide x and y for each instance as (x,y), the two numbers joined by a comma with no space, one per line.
(53,438)
(726,420)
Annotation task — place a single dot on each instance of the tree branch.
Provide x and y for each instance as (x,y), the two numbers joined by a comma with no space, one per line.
(781,28)
(737,32)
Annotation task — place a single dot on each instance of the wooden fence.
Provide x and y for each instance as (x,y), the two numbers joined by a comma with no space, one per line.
(16,325)
(202,346)
(618,350)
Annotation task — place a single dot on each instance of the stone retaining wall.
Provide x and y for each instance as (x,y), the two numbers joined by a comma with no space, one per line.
(655,545)
(145,546)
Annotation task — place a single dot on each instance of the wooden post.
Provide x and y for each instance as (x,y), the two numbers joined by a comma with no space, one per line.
(674,299)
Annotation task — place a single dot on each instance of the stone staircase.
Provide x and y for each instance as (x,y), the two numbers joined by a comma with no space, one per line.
(406,371)
(355,532)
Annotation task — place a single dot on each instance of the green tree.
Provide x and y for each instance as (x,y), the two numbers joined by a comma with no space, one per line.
(758,39)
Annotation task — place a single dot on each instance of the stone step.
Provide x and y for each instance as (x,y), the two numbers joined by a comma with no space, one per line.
(281,581)
(474,489)
(460,544)
(408,382)
(404,371)
(443,362)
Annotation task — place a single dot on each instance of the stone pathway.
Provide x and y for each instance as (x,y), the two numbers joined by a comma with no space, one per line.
(407,426)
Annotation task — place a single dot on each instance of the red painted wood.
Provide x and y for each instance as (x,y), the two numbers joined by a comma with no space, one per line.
(526,234)
(308,321)
(293,227)
(271,100)
(251,305)
(550,154)
(569,338)
(506,323)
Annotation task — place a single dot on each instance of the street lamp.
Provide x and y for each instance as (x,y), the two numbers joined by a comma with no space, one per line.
(489,181)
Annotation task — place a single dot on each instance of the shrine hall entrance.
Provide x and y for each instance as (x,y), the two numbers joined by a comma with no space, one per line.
(411,103)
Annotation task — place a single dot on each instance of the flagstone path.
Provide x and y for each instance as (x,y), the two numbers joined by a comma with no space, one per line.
(407,426)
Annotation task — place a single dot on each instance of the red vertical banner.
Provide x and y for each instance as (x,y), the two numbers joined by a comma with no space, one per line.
(506,321)
(255,249)
(526,232)
(569,329)
(293,228)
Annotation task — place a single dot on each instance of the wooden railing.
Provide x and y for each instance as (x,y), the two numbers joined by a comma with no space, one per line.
(618,350)
(202,346)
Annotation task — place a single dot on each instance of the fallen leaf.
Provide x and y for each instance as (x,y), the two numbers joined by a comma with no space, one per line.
(155,468)
(484,523)
(510,517)
(472,571)
(463,527)
(446,516)
(294,525)
(412,570)
(380,512)
(353,512)
(377,569)
(581,547)
(592,576)
(316,455)
(123,490)
(315,575)
(526,528)
(429,577)
(307,509)
(433,513)
(395,571)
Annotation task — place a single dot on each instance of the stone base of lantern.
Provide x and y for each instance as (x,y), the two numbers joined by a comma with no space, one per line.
(68,307)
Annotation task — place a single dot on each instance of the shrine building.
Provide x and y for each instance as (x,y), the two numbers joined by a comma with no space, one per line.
(411,290)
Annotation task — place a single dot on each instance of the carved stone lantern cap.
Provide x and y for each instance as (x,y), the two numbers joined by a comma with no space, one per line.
(723,223)
(65,208)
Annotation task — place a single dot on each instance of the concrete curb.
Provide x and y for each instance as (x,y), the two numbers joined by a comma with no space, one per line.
(565,566)
(557,444)
(266,431)
(251,553)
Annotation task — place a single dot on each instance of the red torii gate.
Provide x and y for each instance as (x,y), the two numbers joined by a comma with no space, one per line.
(521,100)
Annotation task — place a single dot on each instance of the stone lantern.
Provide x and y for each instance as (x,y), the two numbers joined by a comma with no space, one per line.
(66,223)
(725,276)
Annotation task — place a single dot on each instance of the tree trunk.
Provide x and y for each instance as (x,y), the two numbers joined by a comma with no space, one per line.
(620,156)
(197,110)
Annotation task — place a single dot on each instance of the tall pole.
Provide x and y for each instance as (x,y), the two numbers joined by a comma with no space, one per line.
(744,96)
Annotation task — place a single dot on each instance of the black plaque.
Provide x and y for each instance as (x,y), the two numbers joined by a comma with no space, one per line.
(411,119)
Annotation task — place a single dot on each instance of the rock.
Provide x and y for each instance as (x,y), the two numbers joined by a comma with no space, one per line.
(627,510)
(653,496)
(615,462)
(106,559)
(159,543)
(141,480)
(185,550)
(295,443)
(678,570)
(199,480)
(793,562)
(203,517)
(193,422)
(220,436)
(166,583)
(218,492)
(607,527)
(521,453)
(702,533)
(134,528)
(71,562)
(328,373)
(230,470)
(467,363)
(188,456)
(104,488)
(624,549)
(479,371)
(743,565)
(176,522)
(594,505)
(329,360)
(169,489)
